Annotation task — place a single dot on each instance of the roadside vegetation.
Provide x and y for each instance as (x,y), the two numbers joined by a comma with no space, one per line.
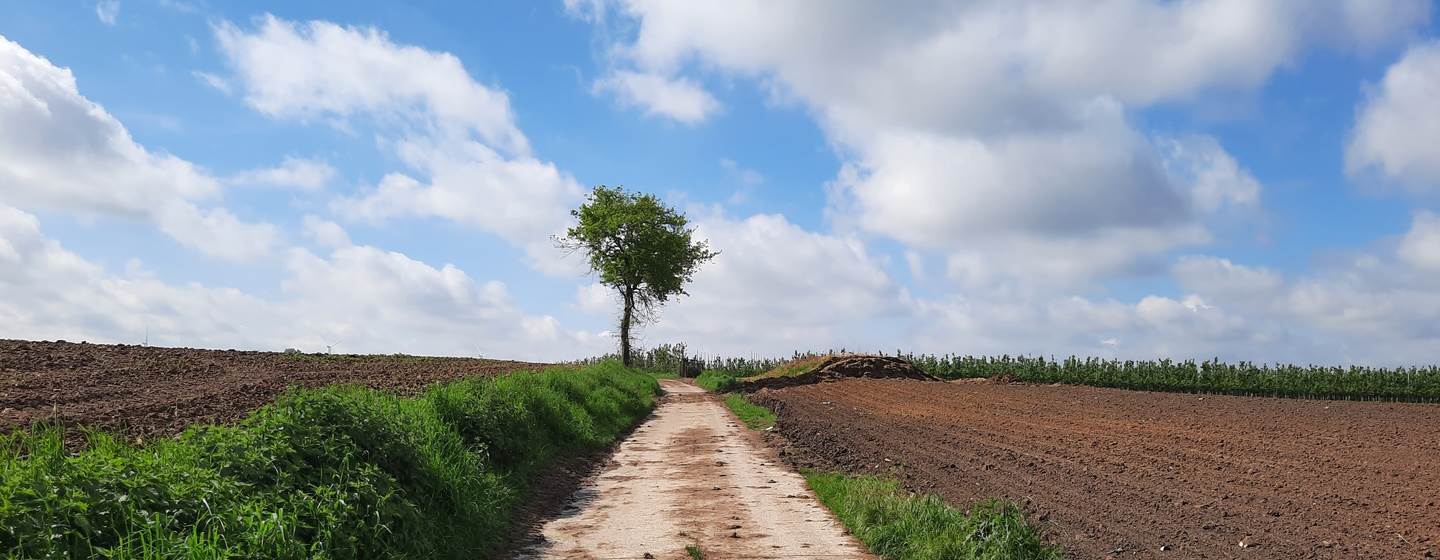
(898,525)
(341,472)
(715,381)
(754,416)
(1410,384)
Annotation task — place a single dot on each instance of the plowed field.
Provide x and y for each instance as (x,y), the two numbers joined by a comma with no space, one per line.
(1129,474)
(145,391)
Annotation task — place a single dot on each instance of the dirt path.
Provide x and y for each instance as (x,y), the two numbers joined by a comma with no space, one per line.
(693,476)
(1131,474)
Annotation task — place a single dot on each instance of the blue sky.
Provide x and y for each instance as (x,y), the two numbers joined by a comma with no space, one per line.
(1247,180)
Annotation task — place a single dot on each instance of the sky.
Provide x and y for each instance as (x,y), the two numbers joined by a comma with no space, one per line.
(1249,180)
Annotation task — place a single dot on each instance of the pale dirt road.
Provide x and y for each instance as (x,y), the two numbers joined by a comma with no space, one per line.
(693,476)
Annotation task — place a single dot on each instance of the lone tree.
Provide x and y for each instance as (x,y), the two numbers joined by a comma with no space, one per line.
(639,247)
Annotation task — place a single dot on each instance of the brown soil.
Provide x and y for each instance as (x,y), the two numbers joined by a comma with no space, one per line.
(145,391)
(1113,473)
(838,367)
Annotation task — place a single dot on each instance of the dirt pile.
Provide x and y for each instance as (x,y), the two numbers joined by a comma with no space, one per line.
(144,391)
(841,367)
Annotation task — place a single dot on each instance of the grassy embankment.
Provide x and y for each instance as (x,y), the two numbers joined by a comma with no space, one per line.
(340,472)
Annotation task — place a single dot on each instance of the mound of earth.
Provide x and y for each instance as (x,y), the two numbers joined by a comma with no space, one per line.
(840,367)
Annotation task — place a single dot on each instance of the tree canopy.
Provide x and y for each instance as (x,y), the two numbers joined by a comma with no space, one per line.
(638,246)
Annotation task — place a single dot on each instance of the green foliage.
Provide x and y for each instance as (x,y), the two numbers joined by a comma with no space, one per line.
(640,247)
(754,416)
(665,361)
(898,525)
(341,472)
(633,240)
(715,381)
(1243,378)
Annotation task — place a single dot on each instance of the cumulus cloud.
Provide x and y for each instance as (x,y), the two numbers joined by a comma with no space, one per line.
(325,232)
(362,298)
(293,172)
(1001,123)
(1420,247)
(776,287)
(59,150)
(323,70)
(1398,123)
(467,160)
(679,99)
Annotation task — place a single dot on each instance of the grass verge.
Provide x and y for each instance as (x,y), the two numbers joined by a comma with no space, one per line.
(341,472)
(898,525)
(715,381)
(754,416)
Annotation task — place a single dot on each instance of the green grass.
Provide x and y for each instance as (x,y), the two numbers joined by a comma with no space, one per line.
(340,472)
(754,416)
(715,381)
(898,525)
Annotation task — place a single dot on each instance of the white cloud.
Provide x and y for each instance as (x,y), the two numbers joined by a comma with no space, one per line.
(596,299)
(325,232)
(359,297)
(995,123)
(1397,125)
(216,82)
(522,200)
(1229,281)
(1420,247)
(59,150)
(467,160)
(1215,179)
(323,70)
(679,99)
(107,11)
(776,287)
(293,172)
(746,177)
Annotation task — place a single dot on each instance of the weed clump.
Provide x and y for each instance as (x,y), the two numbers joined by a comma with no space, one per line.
(341,472)
(902,526)
(716,381)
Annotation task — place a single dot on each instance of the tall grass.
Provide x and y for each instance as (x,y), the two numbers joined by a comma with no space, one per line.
(341,472)
(898,525)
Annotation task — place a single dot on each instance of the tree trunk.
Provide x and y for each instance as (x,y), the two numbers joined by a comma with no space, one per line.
(629,295)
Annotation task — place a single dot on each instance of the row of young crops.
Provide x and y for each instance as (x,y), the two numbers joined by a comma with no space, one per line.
(1417,384)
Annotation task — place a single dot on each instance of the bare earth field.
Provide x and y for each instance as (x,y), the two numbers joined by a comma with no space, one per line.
(1114,473)
(146,391)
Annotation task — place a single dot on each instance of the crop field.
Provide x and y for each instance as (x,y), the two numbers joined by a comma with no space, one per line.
(146,391)
(434,456)
(1132,474)
(1406,384)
